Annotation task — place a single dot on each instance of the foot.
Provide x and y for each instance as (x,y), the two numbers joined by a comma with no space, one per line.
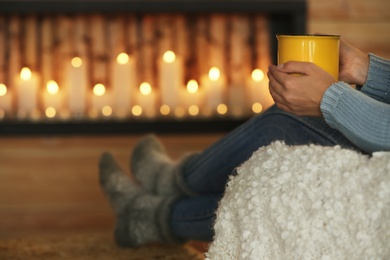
(141,217)
(152,167)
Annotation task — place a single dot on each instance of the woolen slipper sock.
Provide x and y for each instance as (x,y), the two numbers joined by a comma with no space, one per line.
(141,217)
(155,171)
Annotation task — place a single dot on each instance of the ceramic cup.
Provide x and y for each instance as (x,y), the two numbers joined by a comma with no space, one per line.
(322,50)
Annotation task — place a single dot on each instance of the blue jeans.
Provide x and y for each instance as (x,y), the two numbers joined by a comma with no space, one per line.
(207,173)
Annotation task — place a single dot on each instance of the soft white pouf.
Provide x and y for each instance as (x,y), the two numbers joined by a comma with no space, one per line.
(305,202)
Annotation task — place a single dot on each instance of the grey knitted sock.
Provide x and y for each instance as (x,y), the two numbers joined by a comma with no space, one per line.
(153,168)
(141,217)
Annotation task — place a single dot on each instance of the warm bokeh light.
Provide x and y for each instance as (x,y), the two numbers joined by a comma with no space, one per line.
(214,73)
(136,110)
(52,87)
(77,62)
(25,73)
(257,108)
(3,90)
(50,112)
(122,58)
(145,88)
(107,111)
(192,86)
(180,112)
(257,75)
(99,90)
(222,109)
(165,110)
(193,110)
(169,56)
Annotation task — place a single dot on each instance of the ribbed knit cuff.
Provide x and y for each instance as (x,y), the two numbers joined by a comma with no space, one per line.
(377,85)
(330,101)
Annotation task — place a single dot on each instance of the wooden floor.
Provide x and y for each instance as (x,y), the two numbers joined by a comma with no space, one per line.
(50,184)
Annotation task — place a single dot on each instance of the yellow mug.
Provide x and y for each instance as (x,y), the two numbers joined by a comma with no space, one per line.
(322,50)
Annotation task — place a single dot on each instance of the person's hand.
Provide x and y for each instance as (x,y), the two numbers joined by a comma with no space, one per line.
(353,64)
(302,94)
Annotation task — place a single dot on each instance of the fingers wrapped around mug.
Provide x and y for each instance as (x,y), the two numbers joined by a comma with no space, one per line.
(298,87)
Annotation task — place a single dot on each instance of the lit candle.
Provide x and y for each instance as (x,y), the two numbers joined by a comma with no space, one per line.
(214,86)
(147,99)
(27,93)
(123,83)
(192,97)
(5,101)
(52,98)
(77,87)
(170,78)
(259,91)
(100,104)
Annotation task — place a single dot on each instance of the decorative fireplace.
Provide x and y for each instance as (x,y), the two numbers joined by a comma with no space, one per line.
(93,67)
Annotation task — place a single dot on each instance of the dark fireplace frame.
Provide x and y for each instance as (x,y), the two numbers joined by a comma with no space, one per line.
(286,16)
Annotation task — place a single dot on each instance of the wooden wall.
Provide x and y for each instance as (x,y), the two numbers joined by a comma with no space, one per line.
(365,24)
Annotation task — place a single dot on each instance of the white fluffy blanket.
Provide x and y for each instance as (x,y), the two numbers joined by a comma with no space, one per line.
(305,202)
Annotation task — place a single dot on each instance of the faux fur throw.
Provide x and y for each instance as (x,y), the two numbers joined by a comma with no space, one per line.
(305,202)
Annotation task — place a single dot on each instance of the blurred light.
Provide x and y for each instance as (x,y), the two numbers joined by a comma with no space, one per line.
(52,87)
(214,73)
(145,88)
(193,110)
(122,58)
(99,90)
(50,112)
(222,109)
(3,90)
(76,62)
(25,73)
(136,110)
(257,108)
(165,110)
(192,86)
(169,56)
(257,75)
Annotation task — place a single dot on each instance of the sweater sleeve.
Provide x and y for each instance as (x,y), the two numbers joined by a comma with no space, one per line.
(363,120)
(377,85)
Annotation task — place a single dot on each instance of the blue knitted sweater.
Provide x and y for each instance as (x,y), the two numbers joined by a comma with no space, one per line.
(362,116)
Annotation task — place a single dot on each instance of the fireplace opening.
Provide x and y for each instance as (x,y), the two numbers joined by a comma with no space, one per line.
(97,70)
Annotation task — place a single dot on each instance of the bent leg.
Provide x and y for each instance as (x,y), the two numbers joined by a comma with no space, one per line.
(192,218)
(208,172)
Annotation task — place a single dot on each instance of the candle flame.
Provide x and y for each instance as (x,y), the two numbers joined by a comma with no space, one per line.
(192,86)
(122,58)
(145,88)
(25,73)
(77,62)
(257,75)
(3,90)
(52,87)
(214,73)
(169,56)
(99,90)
